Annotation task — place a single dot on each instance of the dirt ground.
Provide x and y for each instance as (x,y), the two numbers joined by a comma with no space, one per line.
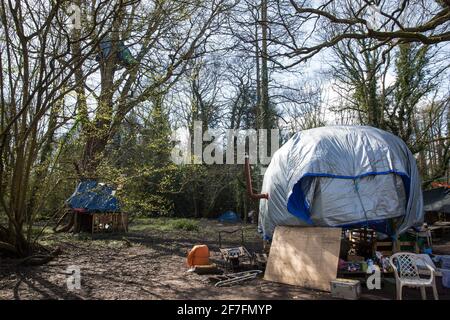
(150,264)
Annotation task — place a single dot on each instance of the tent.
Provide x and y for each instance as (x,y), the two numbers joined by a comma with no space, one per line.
(229,216)
(91,196)
(342,176)
(437,200)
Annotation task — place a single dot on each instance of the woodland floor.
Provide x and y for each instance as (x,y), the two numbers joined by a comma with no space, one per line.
(150,265)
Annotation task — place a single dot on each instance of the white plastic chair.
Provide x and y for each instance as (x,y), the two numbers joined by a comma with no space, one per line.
(407,274)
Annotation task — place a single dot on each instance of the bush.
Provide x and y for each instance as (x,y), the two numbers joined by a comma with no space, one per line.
(184,224)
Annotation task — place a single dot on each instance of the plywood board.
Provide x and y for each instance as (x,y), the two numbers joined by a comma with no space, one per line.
(304,256)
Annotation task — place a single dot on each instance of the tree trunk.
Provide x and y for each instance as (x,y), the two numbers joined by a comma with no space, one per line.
(264,70)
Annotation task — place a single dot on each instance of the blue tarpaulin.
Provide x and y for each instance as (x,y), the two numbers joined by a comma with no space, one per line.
(229,216)
(124,54)
(92,196)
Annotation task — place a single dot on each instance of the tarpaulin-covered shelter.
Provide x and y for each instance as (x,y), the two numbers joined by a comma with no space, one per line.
(342,176)
(96,208)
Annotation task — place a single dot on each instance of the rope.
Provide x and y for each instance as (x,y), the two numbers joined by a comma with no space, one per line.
(360,200)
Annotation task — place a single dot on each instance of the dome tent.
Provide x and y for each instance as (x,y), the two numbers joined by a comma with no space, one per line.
(229,216)
(342,176)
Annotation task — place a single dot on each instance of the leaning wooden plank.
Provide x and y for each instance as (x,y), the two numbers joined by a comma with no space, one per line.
(306,257)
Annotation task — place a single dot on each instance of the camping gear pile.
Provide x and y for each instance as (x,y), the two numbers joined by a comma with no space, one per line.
(234,259)
(233,255)
(96,209)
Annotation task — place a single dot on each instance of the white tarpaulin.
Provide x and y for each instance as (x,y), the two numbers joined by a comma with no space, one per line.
(342,176)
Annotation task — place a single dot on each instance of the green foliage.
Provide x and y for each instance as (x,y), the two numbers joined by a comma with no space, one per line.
(184,224)
(144,224)
(413,83)
(138,163)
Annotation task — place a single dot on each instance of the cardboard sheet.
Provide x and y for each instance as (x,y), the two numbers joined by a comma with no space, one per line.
(304,256)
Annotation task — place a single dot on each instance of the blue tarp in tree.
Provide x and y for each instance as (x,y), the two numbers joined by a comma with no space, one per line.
(93,197)
(124,54)
(229,216)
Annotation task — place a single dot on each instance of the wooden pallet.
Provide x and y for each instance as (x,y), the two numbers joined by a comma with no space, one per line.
(109,222)
(367,238)
(387,248)
(361,235)
(361,240)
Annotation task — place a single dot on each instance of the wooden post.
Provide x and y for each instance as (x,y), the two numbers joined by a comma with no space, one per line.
(77,222)
(395,246)
(92,224)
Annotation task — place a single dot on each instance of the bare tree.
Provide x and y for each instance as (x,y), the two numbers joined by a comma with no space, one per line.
(159,38)
(389,22)
(36,70)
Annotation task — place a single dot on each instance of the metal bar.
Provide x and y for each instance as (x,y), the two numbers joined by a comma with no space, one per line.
(248,178)
(238,277)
